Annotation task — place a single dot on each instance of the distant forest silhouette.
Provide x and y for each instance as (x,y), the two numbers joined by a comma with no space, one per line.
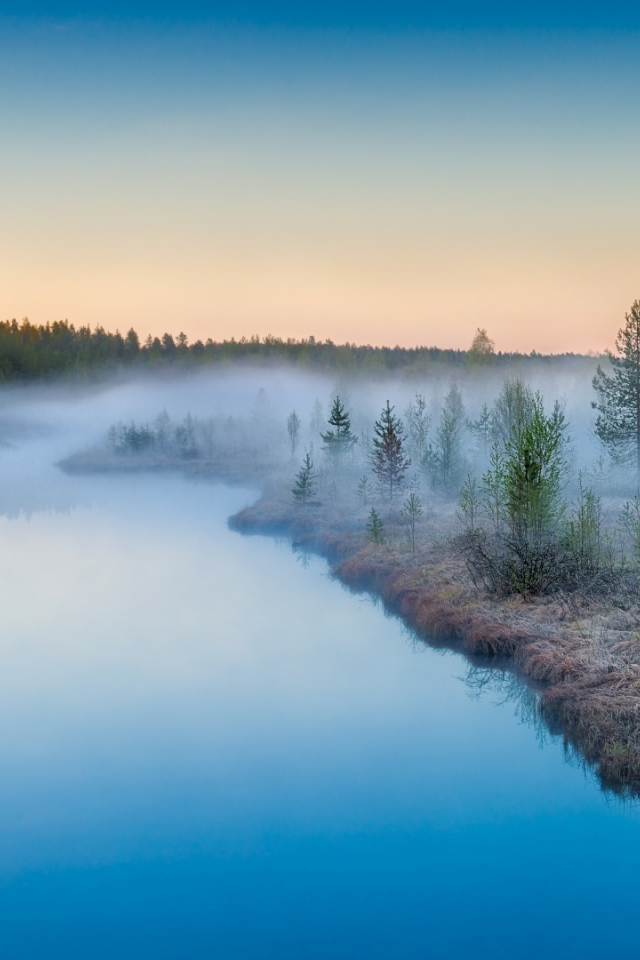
(31,351)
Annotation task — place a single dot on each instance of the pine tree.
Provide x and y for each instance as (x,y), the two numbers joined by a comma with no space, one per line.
(389,462)
(132,344)
(618,404)
(305,482)
(375,527)
(338,441)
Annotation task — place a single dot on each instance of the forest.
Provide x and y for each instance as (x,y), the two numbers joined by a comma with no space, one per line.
(31,351)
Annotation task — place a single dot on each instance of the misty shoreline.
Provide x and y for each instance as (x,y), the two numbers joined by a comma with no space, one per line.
(593,705)
(552,647)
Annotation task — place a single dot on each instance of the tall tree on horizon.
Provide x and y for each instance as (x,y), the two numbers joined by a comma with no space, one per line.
(618,422)
(482,346)
(389,462)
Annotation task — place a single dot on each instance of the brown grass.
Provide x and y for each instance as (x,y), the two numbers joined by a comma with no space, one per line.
(585,661)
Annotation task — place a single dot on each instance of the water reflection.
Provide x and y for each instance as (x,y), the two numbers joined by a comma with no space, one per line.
(210,749)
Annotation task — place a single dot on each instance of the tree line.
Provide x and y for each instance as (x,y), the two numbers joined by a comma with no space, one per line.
(31,351)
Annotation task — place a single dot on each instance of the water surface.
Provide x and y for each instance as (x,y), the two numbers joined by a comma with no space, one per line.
(209,748)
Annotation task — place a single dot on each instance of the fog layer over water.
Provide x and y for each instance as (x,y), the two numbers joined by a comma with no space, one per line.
(209,748)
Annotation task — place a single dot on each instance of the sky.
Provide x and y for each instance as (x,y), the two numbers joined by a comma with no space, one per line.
(373,173)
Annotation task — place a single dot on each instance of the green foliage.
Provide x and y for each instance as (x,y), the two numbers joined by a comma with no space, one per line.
(518,548)
(584,538)
(305,482)
(340,440)
(375,527)
(618,405)
(532,478)
(491,504)
(389,462)
(30,351)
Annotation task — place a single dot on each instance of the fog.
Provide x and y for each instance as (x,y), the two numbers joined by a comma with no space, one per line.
(44,425)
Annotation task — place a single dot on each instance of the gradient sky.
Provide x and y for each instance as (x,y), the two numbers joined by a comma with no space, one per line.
(335,169)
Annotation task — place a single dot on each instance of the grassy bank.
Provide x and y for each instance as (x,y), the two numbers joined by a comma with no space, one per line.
(583,656)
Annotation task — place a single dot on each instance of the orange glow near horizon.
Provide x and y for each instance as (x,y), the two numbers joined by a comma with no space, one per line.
(408,208)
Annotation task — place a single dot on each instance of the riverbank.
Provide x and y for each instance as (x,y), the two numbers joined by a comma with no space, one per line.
(582,656)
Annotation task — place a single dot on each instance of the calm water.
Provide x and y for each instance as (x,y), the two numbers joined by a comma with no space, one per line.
(209,749)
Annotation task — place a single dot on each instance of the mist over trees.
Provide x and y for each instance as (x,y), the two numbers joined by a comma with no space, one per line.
(338,440)
(618,403)
(388,459)
(542,501)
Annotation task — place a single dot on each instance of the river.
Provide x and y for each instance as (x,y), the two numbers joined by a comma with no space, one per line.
(209,748)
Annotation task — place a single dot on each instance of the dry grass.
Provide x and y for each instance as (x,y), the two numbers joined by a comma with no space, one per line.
(584,658)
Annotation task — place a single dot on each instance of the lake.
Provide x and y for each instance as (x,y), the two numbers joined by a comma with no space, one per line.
(209,748)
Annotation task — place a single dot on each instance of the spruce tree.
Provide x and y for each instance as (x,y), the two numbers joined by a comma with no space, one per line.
(618,404)
(338,441)
(305,482)
(389,462)
(375,527)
